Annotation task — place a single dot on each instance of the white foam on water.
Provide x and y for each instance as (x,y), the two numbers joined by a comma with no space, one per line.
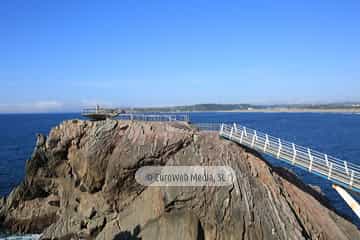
(22,237)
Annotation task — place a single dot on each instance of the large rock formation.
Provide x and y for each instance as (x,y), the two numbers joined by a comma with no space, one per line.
(80,184)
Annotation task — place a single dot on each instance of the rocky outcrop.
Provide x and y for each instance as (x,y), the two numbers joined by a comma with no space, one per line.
(80,184)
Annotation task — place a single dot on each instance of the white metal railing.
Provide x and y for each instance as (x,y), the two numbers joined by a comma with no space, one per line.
(99,110)
(336,170)
(154,117)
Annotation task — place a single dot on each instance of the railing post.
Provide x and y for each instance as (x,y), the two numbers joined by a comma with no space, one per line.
(221,128)
(279,150)
(235,128)
(231,132)
(242,136)
(330,169)
(245,131)
(294,154)
(311,160)
(253,140)
(326,160)
(351,178)
(346,168)
(266,142)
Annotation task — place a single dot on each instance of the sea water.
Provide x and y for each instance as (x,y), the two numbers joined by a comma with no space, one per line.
(23,237)
(331,133)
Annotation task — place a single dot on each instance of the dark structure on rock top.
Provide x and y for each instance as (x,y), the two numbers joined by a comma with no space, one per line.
(80,184)
(98,113)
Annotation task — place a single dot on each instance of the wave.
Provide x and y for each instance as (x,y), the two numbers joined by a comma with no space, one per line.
(21,237)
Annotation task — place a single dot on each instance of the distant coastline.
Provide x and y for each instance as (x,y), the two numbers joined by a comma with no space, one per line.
(295,108)
(301,110)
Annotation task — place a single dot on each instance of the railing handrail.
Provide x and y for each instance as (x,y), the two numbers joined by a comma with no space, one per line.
(99,110)
(154,117)
(347,173)
(298,147)
(136,116)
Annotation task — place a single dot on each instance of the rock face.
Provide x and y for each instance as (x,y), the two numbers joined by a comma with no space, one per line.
(80,184)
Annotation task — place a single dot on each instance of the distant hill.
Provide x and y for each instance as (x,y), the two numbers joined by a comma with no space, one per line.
(208,107)
(197,107)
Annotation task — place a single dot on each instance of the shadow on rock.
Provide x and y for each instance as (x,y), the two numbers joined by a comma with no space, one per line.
(126,235)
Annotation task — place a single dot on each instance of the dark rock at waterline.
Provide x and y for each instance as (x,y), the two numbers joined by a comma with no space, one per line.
(80,184)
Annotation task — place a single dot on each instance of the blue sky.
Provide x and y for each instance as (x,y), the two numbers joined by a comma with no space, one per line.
(63,55)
